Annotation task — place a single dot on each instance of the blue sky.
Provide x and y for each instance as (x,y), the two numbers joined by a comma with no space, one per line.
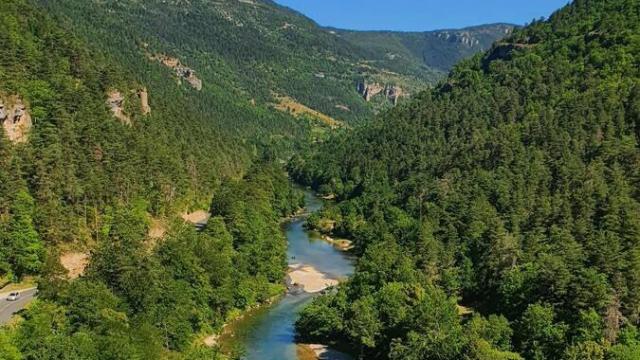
(421,15)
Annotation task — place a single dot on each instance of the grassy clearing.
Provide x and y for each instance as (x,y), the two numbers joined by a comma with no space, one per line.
(289,105)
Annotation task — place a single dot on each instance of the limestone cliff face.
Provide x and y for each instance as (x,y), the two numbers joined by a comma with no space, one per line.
(115,101)
(391,92)
(394,93)
(143,94)
(16,119)
(183,72)
(471,37)
(461,37)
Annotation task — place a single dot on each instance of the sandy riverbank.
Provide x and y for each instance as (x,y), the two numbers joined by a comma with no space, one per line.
(319,352)
(309,278)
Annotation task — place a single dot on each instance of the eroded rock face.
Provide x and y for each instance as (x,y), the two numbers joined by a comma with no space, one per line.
(183,72)
(75,263)
(143,94)
(391,92)
(115,101)
(16,119)
(3,112)
(461,37)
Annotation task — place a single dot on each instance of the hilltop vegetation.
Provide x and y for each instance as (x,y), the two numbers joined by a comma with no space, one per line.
(510,189)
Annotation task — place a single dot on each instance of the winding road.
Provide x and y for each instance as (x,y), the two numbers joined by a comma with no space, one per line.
(8,308)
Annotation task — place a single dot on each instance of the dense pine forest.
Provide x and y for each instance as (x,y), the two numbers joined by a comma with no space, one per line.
(140,301)
(497,216)
(88,178)
(493,216)
(247,51)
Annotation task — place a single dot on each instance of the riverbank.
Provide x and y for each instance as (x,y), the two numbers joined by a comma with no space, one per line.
(214,339)
(319,352)
(315,264)
(309,279)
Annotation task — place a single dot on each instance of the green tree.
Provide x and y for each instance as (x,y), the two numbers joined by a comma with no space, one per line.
(26,251)
(539,336)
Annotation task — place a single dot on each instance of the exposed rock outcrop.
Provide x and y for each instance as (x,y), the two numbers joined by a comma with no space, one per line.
(370,90)
(183,72)
(503,50)
(473,37)
(115,101)
(461,37)
(199,218)
(75,263)
(391,92)
(16,119)
(143,94)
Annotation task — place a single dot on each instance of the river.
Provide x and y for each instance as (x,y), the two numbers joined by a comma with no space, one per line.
(268,333)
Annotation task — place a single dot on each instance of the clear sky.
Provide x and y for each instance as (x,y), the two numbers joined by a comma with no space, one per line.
(421,15)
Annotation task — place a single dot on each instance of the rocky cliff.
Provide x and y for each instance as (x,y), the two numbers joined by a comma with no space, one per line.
(143,94)
(115,101)
(474,37)
(16,119)
(183,72)
(369,90)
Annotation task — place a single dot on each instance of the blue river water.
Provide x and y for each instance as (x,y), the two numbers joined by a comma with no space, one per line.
(268,333)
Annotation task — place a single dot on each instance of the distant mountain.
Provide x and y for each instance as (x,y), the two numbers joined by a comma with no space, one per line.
(424,52)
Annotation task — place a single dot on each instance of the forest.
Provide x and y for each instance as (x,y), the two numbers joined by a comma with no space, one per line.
(83,180)
(494,216)
(249,51)
(140,300)
(497,215)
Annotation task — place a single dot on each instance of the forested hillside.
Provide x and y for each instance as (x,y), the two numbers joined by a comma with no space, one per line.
(260,52)
(140,301)
(497,216)
(91,151)
(79,159)
(118,116)
(252,51)
(413,52)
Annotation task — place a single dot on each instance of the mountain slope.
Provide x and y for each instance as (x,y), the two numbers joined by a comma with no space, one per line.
(260,51)
(425,53)
(255,50)
(117,116)
(103,153)
(83,155)
(511,189)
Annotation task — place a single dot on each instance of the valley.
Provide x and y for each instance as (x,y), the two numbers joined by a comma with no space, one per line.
(269,333)
(231,180)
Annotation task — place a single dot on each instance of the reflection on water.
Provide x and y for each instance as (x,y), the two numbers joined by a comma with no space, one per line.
(268,334)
